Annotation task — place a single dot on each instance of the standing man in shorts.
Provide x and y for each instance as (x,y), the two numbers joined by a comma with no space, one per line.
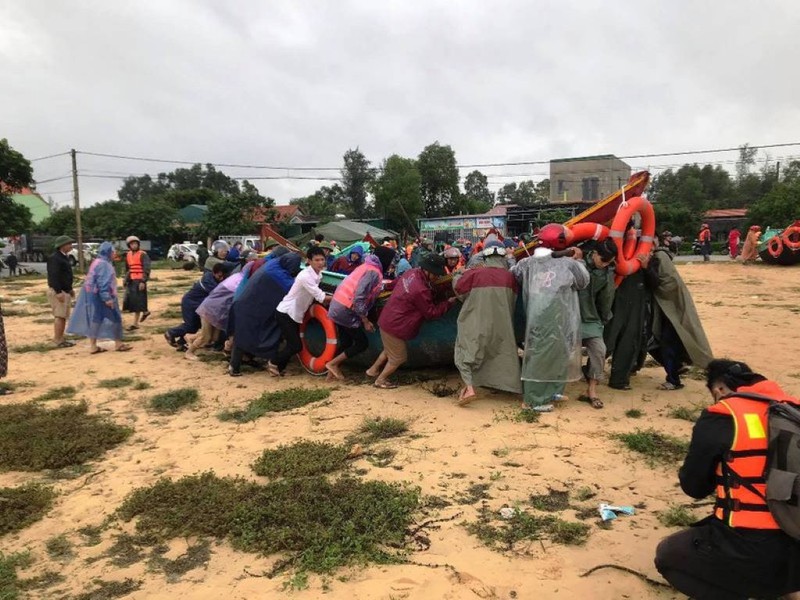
(59,288)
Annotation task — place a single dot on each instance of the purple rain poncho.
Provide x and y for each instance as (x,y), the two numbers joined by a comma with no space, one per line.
(216,308)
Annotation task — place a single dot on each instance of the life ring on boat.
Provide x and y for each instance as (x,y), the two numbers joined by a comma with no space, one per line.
(791,237)
(775,246)
(586,231)
(316,364)
(626,251)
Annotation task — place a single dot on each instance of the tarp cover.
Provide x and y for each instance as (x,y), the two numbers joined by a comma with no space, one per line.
(347,232)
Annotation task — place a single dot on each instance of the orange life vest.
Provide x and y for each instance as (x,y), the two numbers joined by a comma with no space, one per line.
(135,268)
(345,293)
(747,459)
(705,235)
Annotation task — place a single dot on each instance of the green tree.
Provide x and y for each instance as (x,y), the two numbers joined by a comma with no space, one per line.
(325,203)
(507,194)
(543,191)
(439,171)
(779,208)
(747,158)
(356,178)
(181,186)
(236,214)
(397,193)
(60,222)
(16,173)
(477,195)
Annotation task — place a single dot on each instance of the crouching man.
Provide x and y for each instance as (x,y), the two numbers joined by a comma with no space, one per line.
(739,551)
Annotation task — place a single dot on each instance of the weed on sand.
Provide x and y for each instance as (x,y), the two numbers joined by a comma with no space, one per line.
(23,505)
(107,590)
(676,516)
(279,401)
(171,402)
(684,413)
(301,459)
(37,347)
(9,582)
(552,501)
(377,428)
(504,534)
(634,413)
(656,446)
(40,582)
(65,392)
(117,382)
(33,438)
(171,313)
(59,548)
(317,525)
(195,556)
(440,389)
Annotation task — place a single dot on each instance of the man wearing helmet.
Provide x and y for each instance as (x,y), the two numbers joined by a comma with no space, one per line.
(550,286)
(137,267)
(453,260)
(219,254)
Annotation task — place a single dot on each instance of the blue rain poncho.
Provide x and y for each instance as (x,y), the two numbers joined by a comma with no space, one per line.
(92,318)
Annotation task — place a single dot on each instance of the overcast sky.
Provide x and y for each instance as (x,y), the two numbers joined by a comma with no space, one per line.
(297,83)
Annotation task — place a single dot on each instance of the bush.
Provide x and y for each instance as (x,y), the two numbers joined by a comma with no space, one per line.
(656,446)
(301,459)
(279,401)
(379,428)
(21,506)
(33,438)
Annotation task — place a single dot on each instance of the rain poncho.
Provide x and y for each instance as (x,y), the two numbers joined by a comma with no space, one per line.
(486,349)
(553,319)
(216,308)
(91,317)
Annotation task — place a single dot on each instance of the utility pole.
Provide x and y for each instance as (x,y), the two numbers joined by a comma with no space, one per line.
(77,201)
(778,171)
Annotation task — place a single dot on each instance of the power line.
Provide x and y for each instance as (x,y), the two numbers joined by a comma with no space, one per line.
(54,179)
(195,162)
(49,156)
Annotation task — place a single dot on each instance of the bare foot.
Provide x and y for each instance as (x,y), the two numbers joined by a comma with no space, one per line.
(335,371)
(466,396)
(371,374)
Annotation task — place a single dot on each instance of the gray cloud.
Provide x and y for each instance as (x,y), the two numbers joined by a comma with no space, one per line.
(298,83)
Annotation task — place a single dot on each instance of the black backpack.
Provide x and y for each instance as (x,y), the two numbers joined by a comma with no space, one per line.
(782,471)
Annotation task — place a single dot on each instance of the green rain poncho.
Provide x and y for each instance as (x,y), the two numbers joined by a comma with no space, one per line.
(486,349)
(553,318)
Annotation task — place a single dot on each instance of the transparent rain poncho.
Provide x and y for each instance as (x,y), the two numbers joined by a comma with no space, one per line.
(553,317)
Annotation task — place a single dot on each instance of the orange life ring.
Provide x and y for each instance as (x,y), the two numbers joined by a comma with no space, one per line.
(316,364)
(627,265)
(586,231)
(775,246)
(791,237)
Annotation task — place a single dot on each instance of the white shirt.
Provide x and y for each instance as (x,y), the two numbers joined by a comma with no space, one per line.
(305,290)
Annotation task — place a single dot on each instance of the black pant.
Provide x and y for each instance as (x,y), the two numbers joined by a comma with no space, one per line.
(352,341)
(671,351)
(711,561)
(290,331)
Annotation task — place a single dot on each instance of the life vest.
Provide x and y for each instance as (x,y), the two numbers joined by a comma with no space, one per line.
(705,235)
(135,268)
(746,461)
(345,293)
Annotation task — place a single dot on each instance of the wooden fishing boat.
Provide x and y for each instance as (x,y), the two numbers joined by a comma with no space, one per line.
(434,345)
(781,247)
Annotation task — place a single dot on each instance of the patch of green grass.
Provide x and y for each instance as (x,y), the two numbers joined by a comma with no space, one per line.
(527,416)
(37,347)
(117,382)
(33,438)
(584,493)
(171,313)
(301,459)
(59,393)
(316,524)
(634,413)
(9,582)
(552,501)
(38,299)
(107,590)
(279,401)
(171,402)
(212,357)
(377,428)
(23,505)
(40,582)
(14,312)
(475,493)
(676,516)
(656,446)
(684,413)
(59,548)
(125,551)
(92,534)
(141,385)
(195,556)
(504,534)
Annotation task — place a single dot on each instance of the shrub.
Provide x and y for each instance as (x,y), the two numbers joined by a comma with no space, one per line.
(171,402)
(21,506)
(301,459)
(279,401)
(654,445)
(59,393)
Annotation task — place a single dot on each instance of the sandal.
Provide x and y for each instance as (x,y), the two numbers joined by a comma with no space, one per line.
(65,344)
(539,408)
(124,348)
(132,327)
(465,400)
(144,316)
(98,351)
(386,385)
(595,402)
(669,387)
(273,369)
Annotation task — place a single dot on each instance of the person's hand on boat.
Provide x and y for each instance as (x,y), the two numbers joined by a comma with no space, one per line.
(368,326)
(327,300)
(577,253)
(644,259)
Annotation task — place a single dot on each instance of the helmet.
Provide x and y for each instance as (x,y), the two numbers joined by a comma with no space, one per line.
(219,245)
(494,247)
(704,226)
(553,236)
(131,238)
(452,253)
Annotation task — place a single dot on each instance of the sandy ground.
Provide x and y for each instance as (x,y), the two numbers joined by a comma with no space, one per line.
(566,450)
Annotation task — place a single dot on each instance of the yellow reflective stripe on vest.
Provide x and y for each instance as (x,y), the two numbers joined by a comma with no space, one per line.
(755,428)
